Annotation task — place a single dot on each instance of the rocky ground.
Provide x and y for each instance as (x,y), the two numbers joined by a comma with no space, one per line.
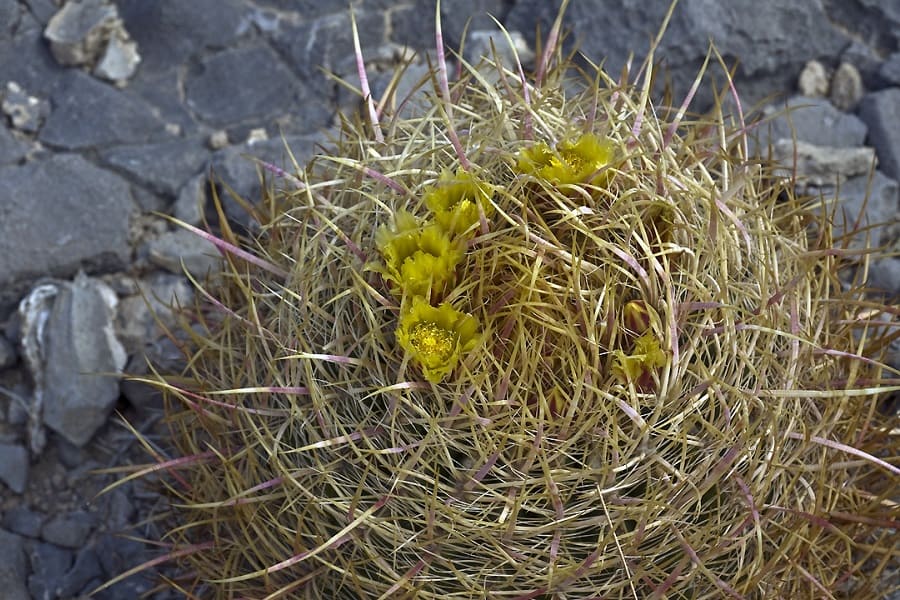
(115,112)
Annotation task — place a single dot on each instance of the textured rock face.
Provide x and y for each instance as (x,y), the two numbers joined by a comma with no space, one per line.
(772,39)
(68,214)
(82,360)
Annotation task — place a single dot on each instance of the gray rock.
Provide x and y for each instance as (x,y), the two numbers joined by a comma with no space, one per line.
(42,10)
(9,15)
(165,357)
(118,555)
(479,43)
(40,73)
(890,69)
(163,167)
(139,316)
(409,26)
(79,31)
(119,510)
(12,149)
(82,355)
(816,121)
(14,467)
(233,168)
(181,249)
(94,205)
(822,165)
(881,198)
(88,113)
(813,80)
(241,84)
(85,569)
(763,33)
(13,570)
(69,530)
(168,32)
(192,200)
(163,90)
(846,87)
(881,112)
(8,354)
(23,521)
(884,278)
(26,113)
(119,61)
(49,564)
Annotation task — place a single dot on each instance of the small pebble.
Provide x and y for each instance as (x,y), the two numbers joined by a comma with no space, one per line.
(846,87)
(218,139)
(813,81)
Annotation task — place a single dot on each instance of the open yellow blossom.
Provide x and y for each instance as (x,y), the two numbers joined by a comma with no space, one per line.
(571,162)
(639,365)
(418,259)
(436,338)
(456,201)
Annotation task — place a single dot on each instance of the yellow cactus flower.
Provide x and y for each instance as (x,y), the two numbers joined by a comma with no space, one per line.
(456,199)
(571,162)
(636,317)
(420,260)
(436,338)
(639,365)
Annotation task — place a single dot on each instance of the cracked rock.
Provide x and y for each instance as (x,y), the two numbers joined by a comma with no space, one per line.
(81,359)
(79,32)
(14,467)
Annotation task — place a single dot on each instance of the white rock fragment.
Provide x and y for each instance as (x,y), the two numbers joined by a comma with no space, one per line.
(846,87)
(90,33)
(218,139)
(813,81)
(26,113)
(822,165)
(119,61)
(256,136)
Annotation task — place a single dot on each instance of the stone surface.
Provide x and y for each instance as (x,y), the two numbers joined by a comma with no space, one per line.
(9,15)
(170,31)
(82,357)
(872,204)
(85,569)
(22,521)
(68,530)
(881,112)
(846,87)
(14,467)
(12,149)
(884,278)
(8,354)
(49,564)
(79,31)
(13,569)
(813,80)
(764,34)
(25,113)
(94,205)
(816,121)
(890,69)
(326,43)
(87,112)
(181,249)
(233,168)
(39,73)
(822,165)
(241,84)
(139,316)
(192,200)
(42,10)
(163,167)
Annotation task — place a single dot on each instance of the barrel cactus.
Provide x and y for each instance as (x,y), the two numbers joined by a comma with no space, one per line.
(535,338)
